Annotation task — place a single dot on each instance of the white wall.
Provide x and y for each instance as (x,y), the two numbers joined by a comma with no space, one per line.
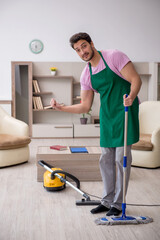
(130,26)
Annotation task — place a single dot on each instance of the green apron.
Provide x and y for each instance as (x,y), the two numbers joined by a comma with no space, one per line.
(111,88)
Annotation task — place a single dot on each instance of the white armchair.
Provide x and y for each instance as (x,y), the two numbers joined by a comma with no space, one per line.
(14,140)
(146,153)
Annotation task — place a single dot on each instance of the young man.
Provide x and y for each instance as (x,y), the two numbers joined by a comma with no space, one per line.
(112,75)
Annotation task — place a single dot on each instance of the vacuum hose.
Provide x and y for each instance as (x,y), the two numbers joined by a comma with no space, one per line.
(76,180)
(49,167)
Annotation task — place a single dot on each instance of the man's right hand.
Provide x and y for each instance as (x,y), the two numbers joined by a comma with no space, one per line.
(55,105)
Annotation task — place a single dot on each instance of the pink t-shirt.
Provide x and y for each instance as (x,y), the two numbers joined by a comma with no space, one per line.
(115,60)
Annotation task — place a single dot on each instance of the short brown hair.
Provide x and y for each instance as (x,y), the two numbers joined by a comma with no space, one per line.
(79,36)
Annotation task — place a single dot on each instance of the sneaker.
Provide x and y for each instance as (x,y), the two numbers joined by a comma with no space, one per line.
(99,209)
(113,211)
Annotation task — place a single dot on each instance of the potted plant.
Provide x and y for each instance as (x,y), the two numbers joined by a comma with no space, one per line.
(53,70)
(83,119)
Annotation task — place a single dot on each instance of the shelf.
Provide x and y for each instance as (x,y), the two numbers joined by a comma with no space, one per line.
(44,110)
(65,87)
(76,92)
(41,93)
(43,86)
(76,83)
(5,101)
(52,77)
(76,99)
(145,74)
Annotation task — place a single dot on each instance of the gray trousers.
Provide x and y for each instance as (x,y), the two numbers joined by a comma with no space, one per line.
(111,168)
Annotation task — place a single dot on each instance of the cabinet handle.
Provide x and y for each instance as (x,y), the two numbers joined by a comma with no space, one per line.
(63,127)
(97,126)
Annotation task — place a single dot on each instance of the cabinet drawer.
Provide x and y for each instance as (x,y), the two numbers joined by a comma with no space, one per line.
(52,130)
(86,130)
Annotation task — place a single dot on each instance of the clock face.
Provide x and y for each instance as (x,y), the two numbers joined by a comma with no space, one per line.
(36,46)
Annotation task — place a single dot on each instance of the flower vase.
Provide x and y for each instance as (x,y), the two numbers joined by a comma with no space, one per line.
(53,73)
(83,120)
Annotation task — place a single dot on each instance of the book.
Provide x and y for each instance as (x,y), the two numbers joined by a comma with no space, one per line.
(58,147)
(48,107)
(37,102)
(40,102)
(34,103)
(78,150)
(36,86)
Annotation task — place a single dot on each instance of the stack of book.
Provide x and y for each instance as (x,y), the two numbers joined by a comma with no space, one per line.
(37,101)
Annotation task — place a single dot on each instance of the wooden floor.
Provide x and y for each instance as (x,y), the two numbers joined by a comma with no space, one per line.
(29,212)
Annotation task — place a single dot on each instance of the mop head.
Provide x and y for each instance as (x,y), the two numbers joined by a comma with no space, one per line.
(123,220)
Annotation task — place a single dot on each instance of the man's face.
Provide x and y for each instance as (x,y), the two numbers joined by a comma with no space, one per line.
(84,50)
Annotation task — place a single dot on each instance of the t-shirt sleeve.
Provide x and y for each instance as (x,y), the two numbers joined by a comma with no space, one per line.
(119,59)
(85,80)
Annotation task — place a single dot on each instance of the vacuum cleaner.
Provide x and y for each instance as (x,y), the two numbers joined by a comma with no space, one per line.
(54,179)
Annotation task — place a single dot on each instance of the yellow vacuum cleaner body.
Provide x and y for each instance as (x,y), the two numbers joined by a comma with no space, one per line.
(53,184)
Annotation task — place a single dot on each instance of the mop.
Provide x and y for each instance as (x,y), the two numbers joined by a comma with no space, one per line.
(112,220)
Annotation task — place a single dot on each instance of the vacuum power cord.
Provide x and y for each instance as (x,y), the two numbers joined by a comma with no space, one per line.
(129,204)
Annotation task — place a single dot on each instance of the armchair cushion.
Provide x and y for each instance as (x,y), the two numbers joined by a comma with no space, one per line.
(149,117)
(144,143)
(11,141)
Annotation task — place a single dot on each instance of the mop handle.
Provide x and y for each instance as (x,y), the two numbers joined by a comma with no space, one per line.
(125,135)
(125,160)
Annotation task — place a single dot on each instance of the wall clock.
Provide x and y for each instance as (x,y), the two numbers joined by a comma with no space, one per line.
(36,46)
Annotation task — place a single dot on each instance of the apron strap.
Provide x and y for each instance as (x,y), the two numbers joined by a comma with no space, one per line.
(90,68)
(103,59)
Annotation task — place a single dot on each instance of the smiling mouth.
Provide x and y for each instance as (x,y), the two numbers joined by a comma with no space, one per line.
(85,55)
